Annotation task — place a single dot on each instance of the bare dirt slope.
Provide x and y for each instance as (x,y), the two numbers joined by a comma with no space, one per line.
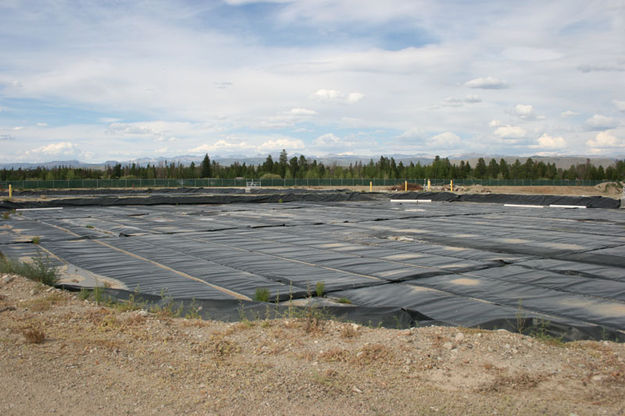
(63,355)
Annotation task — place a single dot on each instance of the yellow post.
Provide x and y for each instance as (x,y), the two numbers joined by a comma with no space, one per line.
(451,185)
(10,192)
(405,186)
(371,186)
(429,187)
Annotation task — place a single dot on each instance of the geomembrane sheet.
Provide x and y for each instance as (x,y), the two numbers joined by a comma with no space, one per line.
(456,263)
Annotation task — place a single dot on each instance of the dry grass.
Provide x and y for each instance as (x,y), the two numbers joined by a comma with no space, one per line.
(33,335)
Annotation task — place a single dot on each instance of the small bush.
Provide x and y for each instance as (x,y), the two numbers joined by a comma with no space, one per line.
(320,289)
(261,295)
(345,301)
(6,215)
(36,240)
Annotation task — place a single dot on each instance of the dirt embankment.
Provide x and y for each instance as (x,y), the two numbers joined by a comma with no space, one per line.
(64,355)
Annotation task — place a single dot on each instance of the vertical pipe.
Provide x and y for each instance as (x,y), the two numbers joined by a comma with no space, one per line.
(451,185)
(429,186)
(370,186)
(405,186)
(10,191)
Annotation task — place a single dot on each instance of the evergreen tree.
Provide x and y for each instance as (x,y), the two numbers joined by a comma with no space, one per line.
(205,167)
(480,171)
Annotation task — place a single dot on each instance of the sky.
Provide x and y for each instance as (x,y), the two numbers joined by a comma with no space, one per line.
(120,80)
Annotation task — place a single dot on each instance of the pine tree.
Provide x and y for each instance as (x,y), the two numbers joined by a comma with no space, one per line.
(206,167)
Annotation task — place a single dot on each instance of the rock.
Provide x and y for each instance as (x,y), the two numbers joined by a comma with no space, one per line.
(459,337)
(448,345)
(356,390)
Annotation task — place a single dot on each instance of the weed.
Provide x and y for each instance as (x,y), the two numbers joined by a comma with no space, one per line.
(90,226)
(314,320)
(345,301)
(373,352)
(40,269)
(36,240)
(261,295)
(45,303)
(34,335)
(194,310)
(320,289)
(349,331)
(520,319)
(6,215)
(84,293)
(97,295)
(335,354)
(222,347)
(130,305)
(541,332)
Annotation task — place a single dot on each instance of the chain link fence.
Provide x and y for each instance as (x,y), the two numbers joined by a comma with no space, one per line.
(242,182)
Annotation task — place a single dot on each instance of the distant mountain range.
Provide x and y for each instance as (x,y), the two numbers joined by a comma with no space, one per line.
(341,160)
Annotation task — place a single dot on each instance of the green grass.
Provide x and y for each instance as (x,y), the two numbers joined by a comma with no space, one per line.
(40,269)
(345,301)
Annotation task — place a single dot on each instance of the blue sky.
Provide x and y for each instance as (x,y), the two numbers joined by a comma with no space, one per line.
(119,80)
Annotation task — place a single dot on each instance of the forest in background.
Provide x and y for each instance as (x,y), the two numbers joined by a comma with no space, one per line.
(305,168)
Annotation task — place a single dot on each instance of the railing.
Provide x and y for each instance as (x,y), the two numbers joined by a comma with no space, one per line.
(242,182)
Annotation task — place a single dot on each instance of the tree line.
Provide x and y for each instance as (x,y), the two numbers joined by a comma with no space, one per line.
(305,168)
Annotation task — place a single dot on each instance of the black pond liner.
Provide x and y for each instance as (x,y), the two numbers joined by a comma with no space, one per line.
(456,263)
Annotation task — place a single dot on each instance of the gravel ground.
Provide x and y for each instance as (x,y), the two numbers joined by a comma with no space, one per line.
(64,355)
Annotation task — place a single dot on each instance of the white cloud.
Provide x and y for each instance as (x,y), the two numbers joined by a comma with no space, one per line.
(221,145)
(510,132)
(525,111)
(445,139)
(495,123)
(550,142)
(55,149)
(619,104)
(489,83)
(282,143)
(568,113)
(412,133)
(328,139)
(459,102)
(354,97)
(302,112)
(337,96)
(605,140)
(601,122)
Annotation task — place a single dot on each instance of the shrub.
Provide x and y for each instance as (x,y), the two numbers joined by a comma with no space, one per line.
(261,295)
(320,289)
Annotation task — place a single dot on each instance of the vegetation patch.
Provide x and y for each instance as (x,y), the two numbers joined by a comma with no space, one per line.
(40,269)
